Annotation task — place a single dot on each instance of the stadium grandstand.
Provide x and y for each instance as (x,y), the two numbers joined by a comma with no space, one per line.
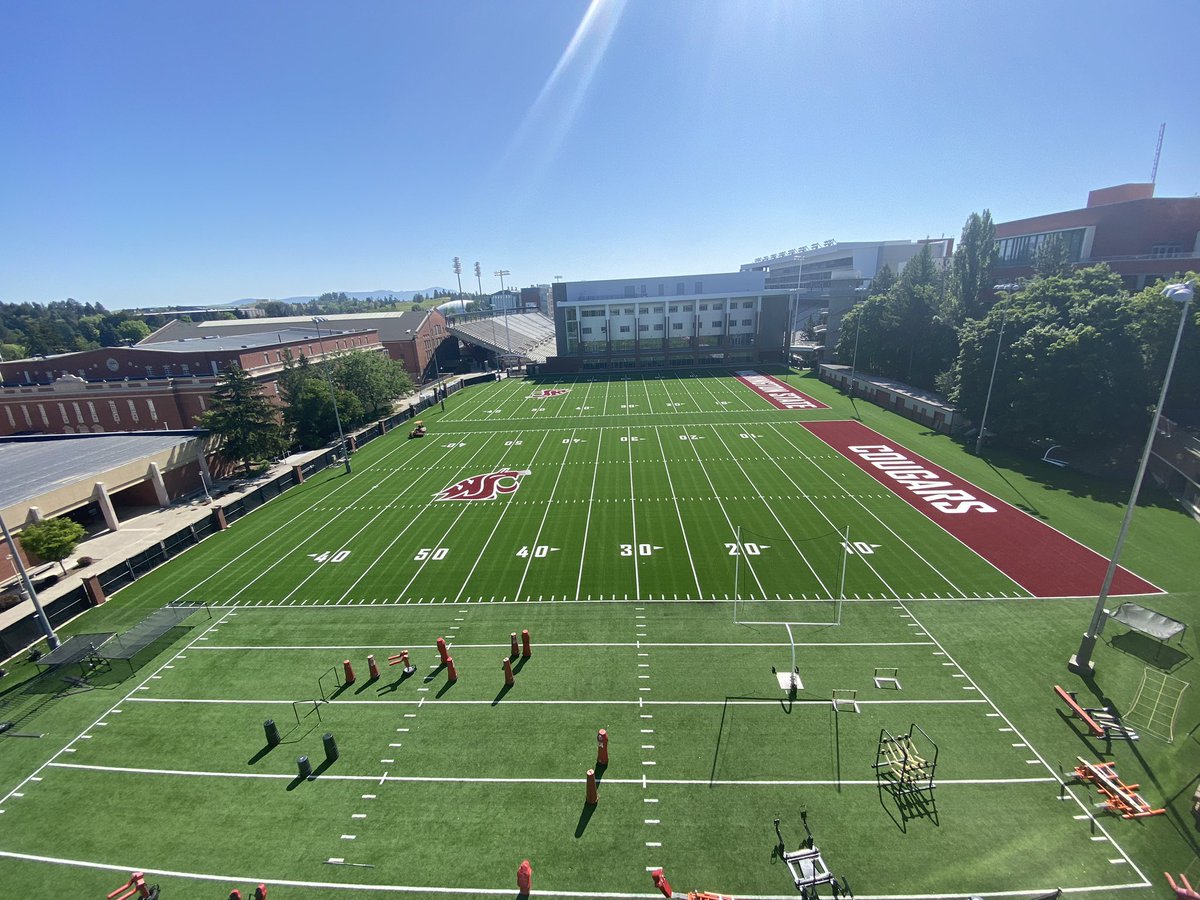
(516,339)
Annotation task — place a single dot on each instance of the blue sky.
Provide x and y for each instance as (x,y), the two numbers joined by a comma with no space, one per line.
(188,152)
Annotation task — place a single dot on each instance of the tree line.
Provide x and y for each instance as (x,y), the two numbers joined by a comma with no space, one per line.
(64,326)
(1079,358)
(251,428)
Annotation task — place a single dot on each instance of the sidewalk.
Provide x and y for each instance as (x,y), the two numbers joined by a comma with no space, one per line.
(143,531)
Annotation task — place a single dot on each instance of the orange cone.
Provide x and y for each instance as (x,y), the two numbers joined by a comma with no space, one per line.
(660,882)
(508,675)
(525,649)
(442,651)
(602,747)
(349,671)
(524,877)
(451,672)
(371,667)
(592,797)
(513,640)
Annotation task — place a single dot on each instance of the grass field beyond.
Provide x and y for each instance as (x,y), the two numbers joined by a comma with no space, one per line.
(617,521)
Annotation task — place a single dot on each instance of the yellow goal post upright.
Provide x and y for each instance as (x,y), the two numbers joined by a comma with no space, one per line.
(764,611)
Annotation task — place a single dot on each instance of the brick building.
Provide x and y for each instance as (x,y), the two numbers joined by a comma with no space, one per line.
(1141,237)
(151,387)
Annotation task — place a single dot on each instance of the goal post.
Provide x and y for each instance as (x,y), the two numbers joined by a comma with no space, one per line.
(787,614)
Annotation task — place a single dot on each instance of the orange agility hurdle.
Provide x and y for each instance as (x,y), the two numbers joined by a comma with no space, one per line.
(1119,797)
(1069,698)
(135,886)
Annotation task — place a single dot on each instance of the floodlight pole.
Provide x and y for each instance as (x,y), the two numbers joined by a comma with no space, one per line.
(317,320)
(992,381)
(1081,663)
(51,637)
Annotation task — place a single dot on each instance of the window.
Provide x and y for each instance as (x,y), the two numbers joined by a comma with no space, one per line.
(1165,251)
(149,371)
(680,288)
(629,290)
(699,287)
(628,311)
(703,307)
(674,307)
(153,411)
(587,331)
(677,326)
(186,370)
(747,321)
(716,323)
(112,411)
(92,411)
(62,411)
(658,327)
(132,412)
(687,307)
(46,418)
(643,328)
(749,304)
(624,329)
(74,406)
(662,289)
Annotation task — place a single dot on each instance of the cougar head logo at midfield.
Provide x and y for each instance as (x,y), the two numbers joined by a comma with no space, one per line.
(549,392)
(483,487)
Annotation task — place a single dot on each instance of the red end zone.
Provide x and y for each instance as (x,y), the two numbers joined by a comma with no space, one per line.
(775,392)
(1042,560)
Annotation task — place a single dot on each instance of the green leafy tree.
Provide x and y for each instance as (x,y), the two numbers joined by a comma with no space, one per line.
(973,262)
(245,421)
(133,330)
(52,540)
(374,379)
(12,351)
(883,281)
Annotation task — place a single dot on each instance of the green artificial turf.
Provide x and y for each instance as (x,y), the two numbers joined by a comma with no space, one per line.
(615,554)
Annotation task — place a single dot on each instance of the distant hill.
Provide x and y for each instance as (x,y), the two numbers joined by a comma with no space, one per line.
(398,296)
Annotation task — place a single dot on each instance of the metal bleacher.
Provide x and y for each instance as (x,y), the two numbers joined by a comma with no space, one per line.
(526,335)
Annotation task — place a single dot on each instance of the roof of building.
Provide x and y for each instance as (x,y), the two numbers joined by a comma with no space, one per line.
(264,338)
(34,465)
(391,326)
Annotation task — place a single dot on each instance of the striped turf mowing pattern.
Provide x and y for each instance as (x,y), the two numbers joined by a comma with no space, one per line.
(619,550)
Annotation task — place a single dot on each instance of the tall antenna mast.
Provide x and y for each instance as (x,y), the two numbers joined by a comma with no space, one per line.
(1157,153)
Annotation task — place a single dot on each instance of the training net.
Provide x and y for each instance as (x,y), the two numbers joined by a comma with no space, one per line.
(126,646)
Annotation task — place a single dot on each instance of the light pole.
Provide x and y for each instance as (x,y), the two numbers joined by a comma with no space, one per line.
(317,320)
(854,358)
(458,275)
(1081,663)
(479,278)
(1008,288)
(51,637)
(502,273)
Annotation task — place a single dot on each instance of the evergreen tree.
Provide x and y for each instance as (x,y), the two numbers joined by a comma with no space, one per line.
(973,262)
(1052,257)
(245,421)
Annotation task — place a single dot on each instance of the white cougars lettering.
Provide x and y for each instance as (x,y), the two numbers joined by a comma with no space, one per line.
(927,485)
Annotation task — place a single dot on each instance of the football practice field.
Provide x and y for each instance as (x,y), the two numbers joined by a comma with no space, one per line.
(676,548)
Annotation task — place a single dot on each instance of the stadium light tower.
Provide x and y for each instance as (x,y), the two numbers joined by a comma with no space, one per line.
(458,274)
(317,320)
(479,278)
(1008,289)
(502,273)
(1081,663)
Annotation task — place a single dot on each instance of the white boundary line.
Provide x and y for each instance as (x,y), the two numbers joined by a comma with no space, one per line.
(501,892)
(575,782)
(109,711)
(821,704)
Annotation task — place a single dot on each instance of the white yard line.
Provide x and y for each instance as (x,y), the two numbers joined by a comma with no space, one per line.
(514,779)
(580,645)
(637,575)
(109,711)
(678,514)
(787,532)
(940,574)
(822,704)
(549,504)
(587,522)
(1084,805)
